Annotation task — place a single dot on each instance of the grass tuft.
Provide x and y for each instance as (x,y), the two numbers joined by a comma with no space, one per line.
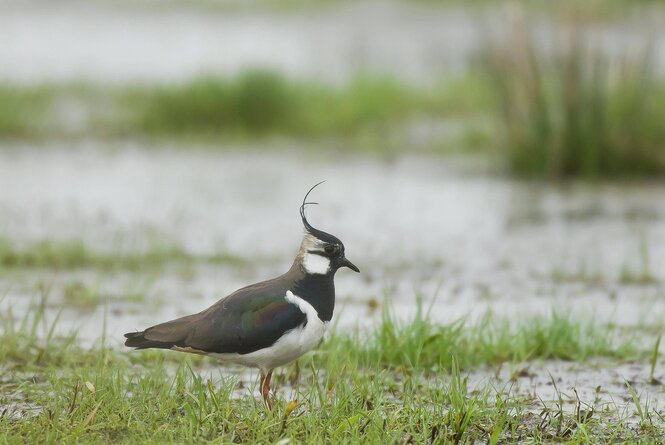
(260,102)
(420,344)
(574,111)
(370,109)
(75,254)
(22,111)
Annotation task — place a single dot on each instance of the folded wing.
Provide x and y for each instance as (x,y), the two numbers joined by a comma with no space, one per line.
(250,319)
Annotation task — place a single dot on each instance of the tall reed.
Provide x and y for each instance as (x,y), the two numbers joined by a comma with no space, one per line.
(568,108)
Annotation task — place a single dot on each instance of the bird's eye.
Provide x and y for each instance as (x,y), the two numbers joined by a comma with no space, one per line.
(329,249)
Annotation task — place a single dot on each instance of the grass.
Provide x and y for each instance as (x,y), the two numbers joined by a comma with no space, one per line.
(251,104)
(82,296)
(23,110)
(389,388)
(642,274)
(419,344)
(654,360)
(75,254)
(574,111)
(87,297)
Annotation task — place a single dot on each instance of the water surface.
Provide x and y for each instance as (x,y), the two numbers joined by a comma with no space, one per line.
(462,240)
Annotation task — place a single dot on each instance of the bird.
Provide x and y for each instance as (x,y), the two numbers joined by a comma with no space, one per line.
(266,324)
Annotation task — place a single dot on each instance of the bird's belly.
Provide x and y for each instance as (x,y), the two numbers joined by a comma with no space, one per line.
(287,348)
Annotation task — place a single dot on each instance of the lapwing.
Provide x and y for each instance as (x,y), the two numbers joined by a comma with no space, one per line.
(267,324)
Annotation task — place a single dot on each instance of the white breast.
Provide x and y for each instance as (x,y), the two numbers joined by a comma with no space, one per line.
(290,346)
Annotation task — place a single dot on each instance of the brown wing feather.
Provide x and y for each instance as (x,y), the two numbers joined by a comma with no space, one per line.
(249,319)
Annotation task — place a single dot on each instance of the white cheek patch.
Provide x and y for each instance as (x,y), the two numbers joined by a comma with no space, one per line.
(316,264)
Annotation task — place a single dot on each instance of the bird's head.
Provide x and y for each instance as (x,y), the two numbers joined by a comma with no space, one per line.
(321,253)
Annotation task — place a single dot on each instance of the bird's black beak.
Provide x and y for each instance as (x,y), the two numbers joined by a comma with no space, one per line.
(349,264)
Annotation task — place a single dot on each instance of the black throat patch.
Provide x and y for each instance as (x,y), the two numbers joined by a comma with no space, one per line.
(319,291)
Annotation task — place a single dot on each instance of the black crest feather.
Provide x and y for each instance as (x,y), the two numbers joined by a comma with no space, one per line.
(320,234)
(308,226)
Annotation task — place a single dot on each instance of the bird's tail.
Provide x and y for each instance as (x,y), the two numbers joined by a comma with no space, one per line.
(137,340)
(164,335)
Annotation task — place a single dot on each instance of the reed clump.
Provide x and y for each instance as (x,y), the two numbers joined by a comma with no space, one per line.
(570,108)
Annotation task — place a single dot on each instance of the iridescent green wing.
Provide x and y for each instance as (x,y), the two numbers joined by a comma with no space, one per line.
(245,322)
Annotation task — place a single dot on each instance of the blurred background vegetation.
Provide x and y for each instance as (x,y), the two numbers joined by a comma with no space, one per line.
(565,105)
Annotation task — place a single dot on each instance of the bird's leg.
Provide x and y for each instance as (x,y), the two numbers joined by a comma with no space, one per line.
(265,388)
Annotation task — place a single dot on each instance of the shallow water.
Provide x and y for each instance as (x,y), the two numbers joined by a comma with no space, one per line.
(465,241)
(130,42)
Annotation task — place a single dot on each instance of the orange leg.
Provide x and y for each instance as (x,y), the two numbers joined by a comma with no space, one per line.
(265,388)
